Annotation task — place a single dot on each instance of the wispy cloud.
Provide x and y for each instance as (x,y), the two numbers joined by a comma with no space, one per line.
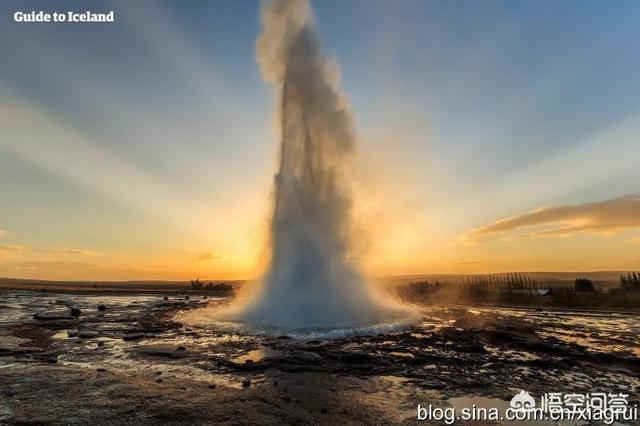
(204,257)
(51,265)
(11,249)
(602,218)
(69,251)
(20,251)
(468,262)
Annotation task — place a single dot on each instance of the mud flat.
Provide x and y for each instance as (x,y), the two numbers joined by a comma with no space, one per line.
(115,359)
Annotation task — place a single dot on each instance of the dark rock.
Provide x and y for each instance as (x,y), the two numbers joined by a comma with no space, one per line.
(165,298)
(75,312)
(158,373)
(181,348)
(186,298)
(323,411)
(158,380)
(248,361)
(246,383)
(212,386)
(101,370)
(102,308)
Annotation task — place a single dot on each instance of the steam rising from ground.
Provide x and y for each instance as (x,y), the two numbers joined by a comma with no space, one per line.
(312,280)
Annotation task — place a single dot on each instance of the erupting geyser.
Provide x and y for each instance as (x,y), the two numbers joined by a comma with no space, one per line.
(312,280)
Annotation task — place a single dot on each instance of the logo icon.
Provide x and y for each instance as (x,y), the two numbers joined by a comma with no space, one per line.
(523,401)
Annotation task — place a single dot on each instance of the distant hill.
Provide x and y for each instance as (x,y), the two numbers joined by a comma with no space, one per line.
(101,286)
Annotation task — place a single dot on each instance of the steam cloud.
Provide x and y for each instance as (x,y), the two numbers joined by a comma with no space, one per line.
(312,280)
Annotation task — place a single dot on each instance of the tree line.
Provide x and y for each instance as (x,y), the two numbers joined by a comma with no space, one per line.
(198,285)
(630,282)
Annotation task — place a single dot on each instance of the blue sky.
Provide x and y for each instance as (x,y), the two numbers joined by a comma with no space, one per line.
(153,138)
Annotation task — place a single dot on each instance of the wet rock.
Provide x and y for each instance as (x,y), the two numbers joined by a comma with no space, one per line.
(87,334)
(134,336)
(306,356)
(356,357)
(51,316)
(472,348)
(160,351)
(10,345)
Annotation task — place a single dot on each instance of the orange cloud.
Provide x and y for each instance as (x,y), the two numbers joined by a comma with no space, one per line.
(603,218)
(18,251)
(209,256)
(51,265)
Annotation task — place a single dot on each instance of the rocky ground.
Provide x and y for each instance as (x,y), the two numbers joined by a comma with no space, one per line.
(72,359)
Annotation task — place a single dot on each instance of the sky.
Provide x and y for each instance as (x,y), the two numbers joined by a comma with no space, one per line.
(493,136)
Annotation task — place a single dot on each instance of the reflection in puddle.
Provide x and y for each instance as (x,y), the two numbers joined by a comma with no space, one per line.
(256,355)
